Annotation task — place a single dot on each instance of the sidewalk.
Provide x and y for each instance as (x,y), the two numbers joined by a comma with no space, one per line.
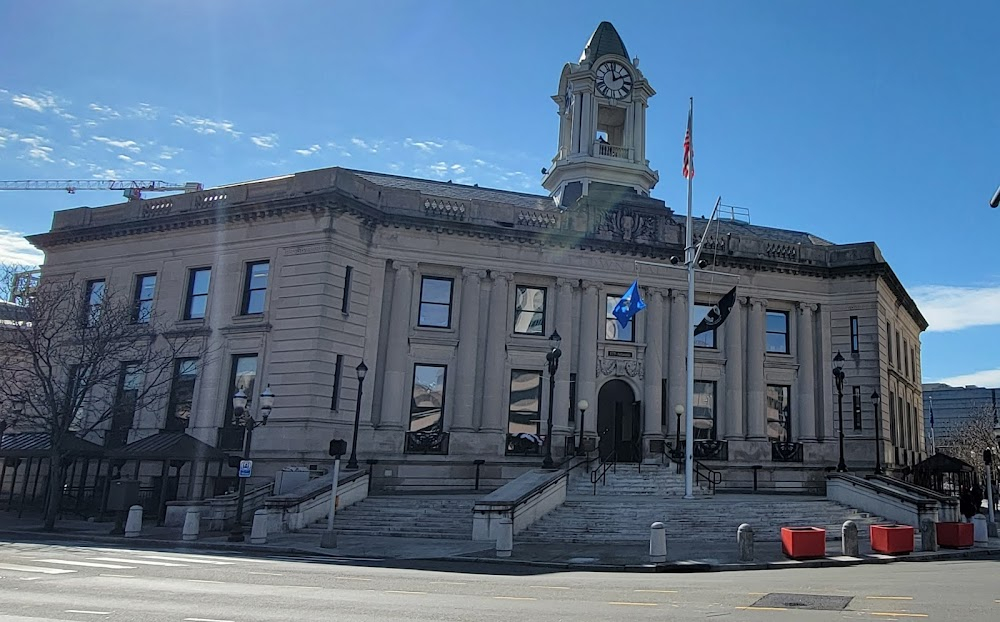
(684,556)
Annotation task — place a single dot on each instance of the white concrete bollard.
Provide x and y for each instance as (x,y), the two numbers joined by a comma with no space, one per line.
(849,539)
(980,528)
(258,533)
(744,539)
(657,543)
(133,524)
(192,522)
(505,537)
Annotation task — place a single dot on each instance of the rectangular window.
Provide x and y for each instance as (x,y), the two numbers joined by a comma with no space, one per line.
(345,302)
(435,302)
(899,415)
(706,339)
(888,340)
(242,377)
(529,310)
(197,293)
(524,416)
(255,288)
(338,371)
(777,332)
(130,381)
(93,301)
(899,359)
(913,363)
(427,405)
(181,394)
(909,427)
(892,418)
(572,398)
(856,396)
(704,410)
(906,360)
(142,298)
(779,421)
(855,339)
(613,330)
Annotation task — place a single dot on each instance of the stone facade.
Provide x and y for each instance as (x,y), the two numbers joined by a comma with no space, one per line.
(439,280)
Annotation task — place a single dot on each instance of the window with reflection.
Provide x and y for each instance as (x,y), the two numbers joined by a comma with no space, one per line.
(242,377)
(707,338)
(524,418)
(778,412)
(704,410)
(613,331)
(529,310)
(93,302)
(197,293)
(777,332)
(181,394)
(130,381)
(427,398)
(142,307)
(255,287)
(435,302)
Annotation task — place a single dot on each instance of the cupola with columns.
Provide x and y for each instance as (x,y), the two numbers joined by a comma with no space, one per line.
(602,103)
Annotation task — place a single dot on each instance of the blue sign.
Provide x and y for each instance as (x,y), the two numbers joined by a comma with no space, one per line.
(246,466)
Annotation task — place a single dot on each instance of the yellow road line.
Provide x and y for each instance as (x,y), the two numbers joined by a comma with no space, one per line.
(762,608)
(633,604)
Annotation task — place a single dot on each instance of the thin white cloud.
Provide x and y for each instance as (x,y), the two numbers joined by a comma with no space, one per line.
(267,141)
(201,125)
(124,158)
(371,147)
(985,378)
(168,153)
(27,102)
(438,170)
(426,146)
(42,102)
(156,167)
(144,111)
(7,135)
(15,250)
(131,145)
(458,169)
(106,112)
(950,308)
(308,151)
(38,148)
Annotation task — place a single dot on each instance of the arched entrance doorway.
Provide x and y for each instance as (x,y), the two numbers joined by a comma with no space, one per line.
(618,421)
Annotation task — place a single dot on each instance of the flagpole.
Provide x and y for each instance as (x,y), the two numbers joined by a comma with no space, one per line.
(689,259)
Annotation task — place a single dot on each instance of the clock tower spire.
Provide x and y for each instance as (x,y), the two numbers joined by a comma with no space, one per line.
(602,103)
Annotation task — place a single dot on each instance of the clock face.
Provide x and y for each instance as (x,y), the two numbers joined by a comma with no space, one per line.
(613,80)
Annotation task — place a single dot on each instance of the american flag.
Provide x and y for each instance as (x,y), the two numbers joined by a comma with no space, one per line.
(689,149)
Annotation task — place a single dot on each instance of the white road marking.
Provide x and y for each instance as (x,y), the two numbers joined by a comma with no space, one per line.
(193,560)
(95,613)
(119,576)
(136,561)
(270,574)
(68,562)
(203,581)
(549,587)
(204,620)
(17,568)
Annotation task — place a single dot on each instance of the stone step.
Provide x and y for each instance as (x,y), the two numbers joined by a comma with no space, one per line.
(416,516)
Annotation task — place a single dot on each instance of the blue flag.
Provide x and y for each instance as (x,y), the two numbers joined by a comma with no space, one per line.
(630,304)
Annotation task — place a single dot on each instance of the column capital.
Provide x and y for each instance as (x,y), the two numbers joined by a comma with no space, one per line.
(501,276)
(474,273)
(758,303)
(563,283)
(408,266)
(677,295)
(591,287)
(806,308)
(654,291)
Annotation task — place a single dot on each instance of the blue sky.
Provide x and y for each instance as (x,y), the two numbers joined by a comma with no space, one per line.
(853,120)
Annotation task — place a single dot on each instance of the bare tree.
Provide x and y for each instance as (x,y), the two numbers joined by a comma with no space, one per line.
(76,354)
(967,439)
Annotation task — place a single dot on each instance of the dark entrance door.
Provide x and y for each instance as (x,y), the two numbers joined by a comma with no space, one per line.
(618,421)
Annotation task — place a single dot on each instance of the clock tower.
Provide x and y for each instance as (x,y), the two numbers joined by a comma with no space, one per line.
(602,103)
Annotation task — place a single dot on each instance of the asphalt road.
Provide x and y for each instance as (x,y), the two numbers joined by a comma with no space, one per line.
(40,582)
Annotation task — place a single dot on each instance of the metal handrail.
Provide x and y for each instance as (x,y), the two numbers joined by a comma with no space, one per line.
(701,470)
(608,462)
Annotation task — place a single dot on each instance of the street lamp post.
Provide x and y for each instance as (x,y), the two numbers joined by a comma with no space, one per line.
(679,411)
(877,403)
(583,405)
(241,414)
(553,360)
(838,376)
(352,463)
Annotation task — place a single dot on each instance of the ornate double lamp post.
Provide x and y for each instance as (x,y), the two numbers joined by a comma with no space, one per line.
(242,416)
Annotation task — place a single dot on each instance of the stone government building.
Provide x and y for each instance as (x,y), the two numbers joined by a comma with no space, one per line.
(449,294)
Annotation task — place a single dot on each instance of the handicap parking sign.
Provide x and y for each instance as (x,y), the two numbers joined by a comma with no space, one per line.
(245,467)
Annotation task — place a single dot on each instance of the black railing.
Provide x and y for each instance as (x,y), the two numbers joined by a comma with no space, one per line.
(427,442)
(786,452)
(702,472)
(609,462)
(710,449)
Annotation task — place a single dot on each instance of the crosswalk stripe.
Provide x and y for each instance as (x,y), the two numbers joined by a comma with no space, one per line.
(188,559)
(17,568)
(68,562)
(136,561)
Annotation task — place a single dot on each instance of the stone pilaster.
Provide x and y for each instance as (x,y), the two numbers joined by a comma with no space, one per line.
(807,374)
(675,365)
(652,430)
(468,350)
(563,324)
(756,414)
(586,378)
(497,380)
(397,354)
(735,428)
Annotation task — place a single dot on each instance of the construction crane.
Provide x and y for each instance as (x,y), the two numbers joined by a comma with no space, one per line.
(132,188)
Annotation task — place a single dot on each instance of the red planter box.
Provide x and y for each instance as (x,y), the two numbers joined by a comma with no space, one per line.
(892,539)
(955,535)
(803,542)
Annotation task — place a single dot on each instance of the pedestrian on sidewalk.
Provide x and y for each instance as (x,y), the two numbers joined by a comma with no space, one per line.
(965,503)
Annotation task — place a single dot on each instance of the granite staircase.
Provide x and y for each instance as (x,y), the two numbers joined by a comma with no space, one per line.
(631,479)
(408,516)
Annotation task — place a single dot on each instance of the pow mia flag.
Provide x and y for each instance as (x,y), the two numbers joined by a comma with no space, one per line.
(717,314)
